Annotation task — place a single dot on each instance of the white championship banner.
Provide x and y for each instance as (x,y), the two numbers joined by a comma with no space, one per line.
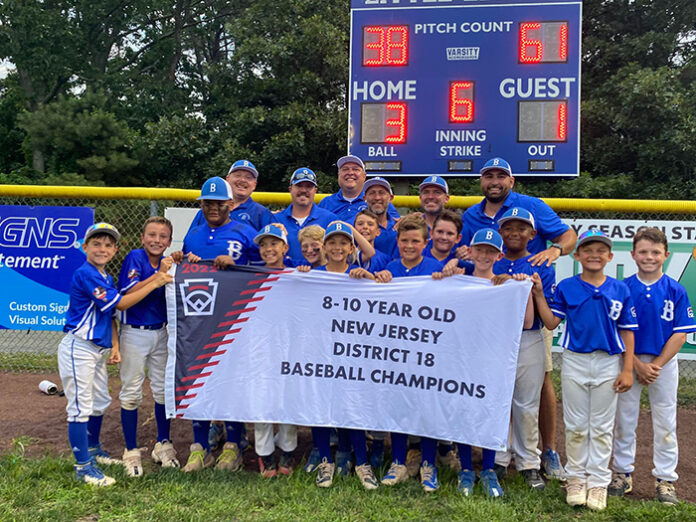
(417,356)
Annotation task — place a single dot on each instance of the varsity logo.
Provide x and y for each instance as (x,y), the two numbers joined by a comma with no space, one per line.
(99,293)
(198,296)
(132,274)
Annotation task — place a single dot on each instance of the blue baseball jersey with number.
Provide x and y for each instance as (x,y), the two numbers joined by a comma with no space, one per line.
(250,213)
(152,310)
(594,315)
(548,225)
(347,210)
(233,239)
(93,298)
(317,216)
(468,266)
(663,309)
(376,263)
(426,267)
(523,266)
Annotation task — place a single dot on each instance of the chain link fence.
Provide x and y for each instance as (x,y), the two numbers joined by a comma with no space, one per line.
(35,351)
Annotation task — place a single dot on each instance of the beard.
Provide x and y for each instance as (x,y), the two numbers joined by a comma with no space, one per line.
(499,198)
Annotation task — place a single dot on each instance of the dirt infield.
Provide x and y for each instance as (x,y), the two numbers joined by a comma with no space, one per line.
(26,412)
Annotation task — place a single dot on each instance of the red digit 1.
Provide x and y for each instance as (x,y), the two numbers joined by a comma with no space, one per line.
(461,105)
(562,121)
(398,123)
(533,45)
(563,42)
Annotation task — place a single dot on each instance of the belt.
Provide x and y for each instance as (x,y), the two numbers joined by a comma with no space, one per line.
(148,326)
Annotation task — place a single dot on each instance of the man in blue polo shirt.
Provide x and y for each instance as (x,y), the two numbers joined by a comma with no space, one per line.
(378,196)
(302,211)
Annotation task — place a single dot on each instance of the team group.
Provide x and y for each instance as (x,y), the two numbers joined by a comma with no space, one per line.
(619,336)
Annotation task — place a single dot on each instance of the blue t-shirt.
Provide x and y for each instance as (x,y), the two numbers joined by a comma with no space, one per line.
(426,267)
(523,266)
(548,225)
(233,239)
(93,298)
(250,213)
(376,263)
(594,315)
(152,310)
(347,210)
(317,216)
(663,309)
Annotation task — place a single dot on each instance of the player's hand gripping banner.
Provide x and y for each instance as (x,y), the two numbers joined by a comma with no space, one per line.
(417,356)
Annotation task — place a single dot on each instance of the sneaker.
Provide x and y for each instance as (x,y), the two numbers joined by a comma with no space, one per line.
(343,462)
(366,476)
(500,471)
(285,463)
(533,479)
(102,457)
(397,473)
(91,474)
(428,475)
(666,492)
(448,460)
(230,459)
(620,485)
(165,454)
(313,460)
(551,465)
(597,498)
(132,460)
(216,435)
(576,492)
(466,481)
(489,481)
(413,462)
(267,466)
(377,454)
(325,473)
(198,459)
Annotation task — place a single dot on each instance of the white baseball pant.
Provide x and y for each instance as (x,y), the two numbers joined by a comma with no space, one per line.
(525,403)
(663,408)
(82,368)
(141,349)
(265,443)
(589,410)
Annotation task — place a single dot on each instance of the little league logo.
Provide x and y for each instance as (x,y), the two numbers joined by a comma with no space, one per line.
(132,274)
(198,296)
(99,293)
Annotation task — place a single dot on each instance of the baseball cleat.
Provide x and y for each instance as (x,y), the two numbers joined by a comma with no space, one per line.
(165,454)
(533,479)
(666,492)
(428,475)
(576,492)
(132,461)
(466,480)
(313,460)
(366,476)
(597,498)
(267,467)
(198,459)
(285,463)
(325,473)
(490,484)
(102,457)
(396,473)
(230,459)
(91,474)
(621,484)
(551,465)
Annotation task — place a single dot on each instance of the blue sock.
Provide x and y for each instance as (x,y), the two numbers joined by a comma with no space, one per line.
(322,440)
(465,456)
(200,433)
(343,440)
(129,422)
(234,431)
(428,450)
(359,441)
(488,458)
(163,423)
(77,435)
(399,443)
(94,425)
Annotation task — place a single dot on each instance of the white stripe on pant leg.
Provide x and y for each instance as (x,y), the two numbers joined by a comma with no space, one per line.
(576,412)
(263,439)
(627,410)
(286,438)
(157,364)
(663,407)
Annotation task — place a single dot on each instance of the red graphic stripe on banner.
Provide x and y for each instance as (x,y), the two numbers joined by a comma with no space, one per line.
(198,375)
(219,343)
(209,355)
(261,281)
(237,312)
(191,386)
(247,292)
(198,287)
(234,321)
(183,397)
(179,415)
(200,366)
(286,271)
(182,406)
(245,301)
(226,332)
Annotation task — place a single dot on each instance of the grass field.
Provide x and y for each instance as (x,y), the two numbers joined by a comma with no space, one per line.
(44,489)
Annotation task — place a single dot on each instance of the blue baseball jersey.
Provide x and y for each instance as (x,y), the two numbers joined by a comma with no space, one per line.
(323,268)
(347,210)
(523,266)
(250,213)
(426,267)
(468,266)
(376,263)
(594,315)
(663,309)
(233,239)
(152,310)
(93,298)
(548,225)
(317,216)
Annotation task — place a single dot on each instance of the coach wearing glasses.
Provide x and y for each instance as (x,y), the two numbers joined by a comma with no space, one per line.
(302,211)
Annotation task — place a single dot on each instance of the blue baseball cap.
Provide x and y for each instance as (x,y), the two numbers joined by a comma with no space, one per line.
(243,165)
(594,235)
(303,174)
(349,159)
(339,227)
(271,231)
(518,213)
(434,181)
(487,236)
(216,188)
(497,163)
(377,182)
(103,228)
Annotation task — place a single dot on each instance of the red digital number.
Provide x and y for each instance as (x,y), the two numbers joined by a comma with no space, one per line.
(461,106)
(543,42)
(385,45)
(527,44)
(562,122)
(398,123)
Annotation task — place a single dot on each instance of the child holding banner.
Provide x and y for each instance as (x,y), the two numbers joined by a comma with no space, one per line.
(367,224)
(311,240)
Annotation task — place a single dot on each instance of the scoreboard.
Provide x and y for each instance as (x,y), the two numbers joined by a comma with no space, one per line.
(441,86)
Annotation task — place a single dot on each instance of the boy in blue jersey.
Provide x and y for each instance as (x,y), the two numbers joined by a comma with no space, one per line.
(367,226)
(143,343)
(600,319)
(90,332)
(517,229)
(664,318)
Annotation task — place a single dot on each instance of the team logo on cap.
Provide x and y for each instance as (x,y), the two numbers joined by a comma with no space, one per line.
(198,296)
(99,293)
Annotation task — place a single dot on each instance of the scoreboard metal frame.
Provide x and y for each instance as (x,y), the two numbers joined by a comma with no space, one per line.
(441,86)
